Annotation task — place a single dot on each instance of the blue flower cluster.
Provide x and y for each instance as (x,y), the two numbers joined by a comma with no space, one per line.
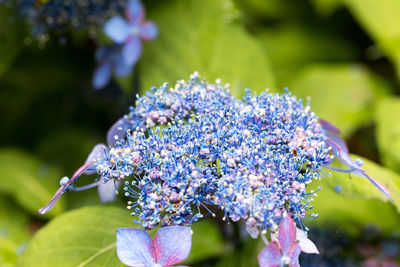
(57,16)
(193,148)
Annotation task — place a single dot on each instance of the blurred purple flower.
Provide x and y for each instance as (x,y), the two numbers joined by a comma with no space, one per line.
(109,58)
(286,252)
(129,32)
(170,245)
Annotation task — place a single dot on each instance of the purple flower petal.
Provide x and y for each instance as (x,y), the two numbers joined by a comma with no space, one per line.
(270,256)
(172,244)
(117,132)
(377,184)
(102,53)
(339,141)
(134,11)
(287,234)
(107,190)
(121,68)
(345,158)
(98,152)
(117,29)
(62,189)
(131,51)
(53,201)
(102,75)
(134,247)
(148,31)
(330,127)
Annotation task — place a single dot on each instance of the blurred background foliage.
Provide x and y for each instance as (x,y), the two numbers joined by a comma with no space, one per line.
(342,54)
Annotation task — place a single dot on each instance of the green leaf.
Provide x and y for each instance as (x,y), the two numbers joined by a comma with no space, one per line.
(273,9)
(388,132)
(343,94)
(326,7)
(358,202)
(197,36)
(10,38)
(382,21)
(246,256)
(83,237)
(31,182)
(207,241)
(291,46)
(13,231)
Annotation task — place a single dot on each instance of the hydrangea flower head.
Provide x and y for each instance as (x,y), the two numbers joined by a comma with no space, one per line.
(193,149)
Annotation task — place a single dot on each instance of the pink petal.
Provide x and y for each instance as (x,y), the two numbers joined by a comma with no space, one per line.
(172,244)
(134,247)
(270,256)
(294,254)
(287,234)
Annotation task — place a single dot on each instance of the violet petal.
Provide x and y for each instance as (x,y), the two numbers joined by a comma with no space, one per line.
(102,75)
(107,192)
(134,11)
(97,153)
(117,29)
(120,67)
(134,247)
(117,132)
(131,51)
(330,127)
(148,31)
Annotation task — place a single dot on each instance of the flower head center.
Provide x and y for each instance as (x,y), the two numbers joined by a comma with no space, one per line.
(135,30)
(285,260)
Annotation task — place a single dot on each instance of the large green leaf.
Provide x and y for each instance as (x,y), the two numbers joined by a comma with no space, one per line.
(382,21)
(31,182)
(10,38)
(13,231)
(83,237)
(326,7)
(291,46)
(197,36)
(273,9)
(86,237)
(350,201)
(343,94)
(388,131)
